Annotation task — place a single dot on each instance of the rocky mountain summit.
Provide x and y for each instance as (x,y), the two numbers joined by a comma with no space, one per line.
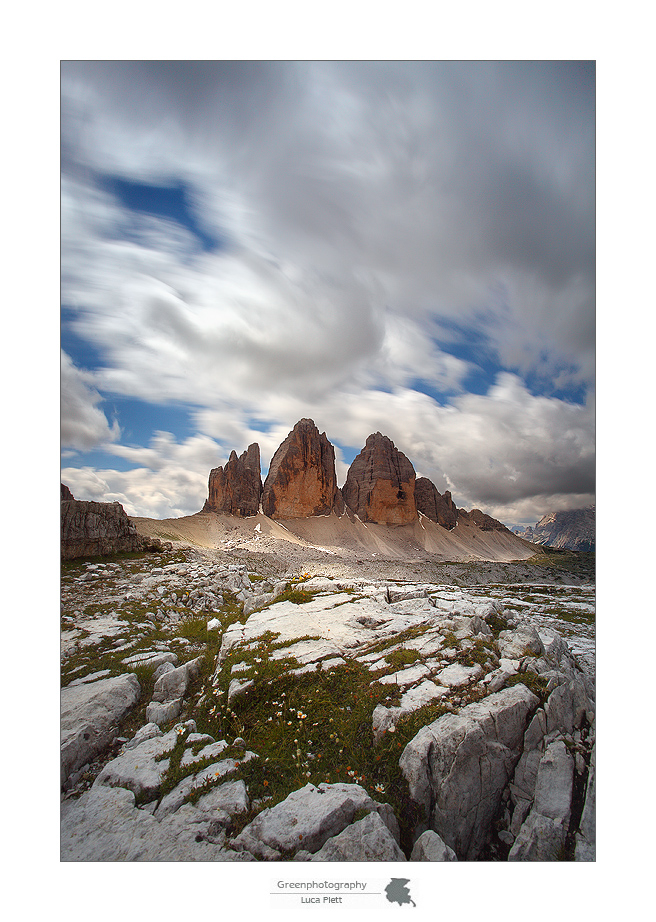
(214,711)
(380,484)
(380,488)
(302,480)
(236,489)
(571,528)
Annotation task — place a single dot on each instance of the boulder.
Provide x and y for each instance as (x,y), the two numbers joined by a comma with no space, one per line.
(147,732)
(368,839)
(586,836)
(380,484)
(229,799)
(306,819)
(523,641)
(542,835)
(174,683)
(458,766)
(430,847)
(433,505)
(90,714)
(162,670)
(302,480)
(161,713)
(141,768)
(236,489)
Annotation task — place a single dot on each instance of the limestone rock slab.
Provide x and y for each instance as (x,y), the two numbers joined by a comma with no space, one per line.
(89,717)
(105,825)
(368,839)
(140,769)
(458,766)
(306,819)
(543,833)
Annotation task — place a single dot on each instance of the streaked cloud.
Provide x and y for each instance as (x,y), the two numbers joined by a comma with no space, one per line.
(389,235)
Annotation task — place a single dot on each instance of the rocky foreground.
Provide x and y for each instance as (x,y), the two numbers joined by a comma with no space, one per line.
(224,709)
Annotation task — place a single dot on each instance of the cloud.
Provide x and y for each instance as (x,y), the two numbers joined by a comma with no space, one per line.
(377,221)
(170,479)
(421,186)
(83,424)
(510,453)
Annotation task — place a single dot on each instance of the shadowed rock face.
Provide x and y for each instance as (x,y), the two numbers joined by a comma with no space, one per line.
(481,520)
(301,479)
(91,529)
(433,505)
(236,488)
(380,485)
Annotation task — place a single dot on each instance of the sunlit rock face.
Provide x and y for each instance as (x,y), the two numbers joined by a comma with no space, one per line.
(302,480)
(380,485)
(435,506)
(236,488)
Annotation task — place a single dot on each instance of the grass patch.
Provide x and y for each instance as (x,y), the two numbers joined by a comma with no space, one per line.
(580,564)
(402,657)
(296,595)
(314,727)
(194,628)
(479,654)
(535,683)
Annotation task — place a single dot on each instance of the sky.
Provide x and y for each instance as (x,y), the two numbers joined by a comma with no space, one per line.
(403,247)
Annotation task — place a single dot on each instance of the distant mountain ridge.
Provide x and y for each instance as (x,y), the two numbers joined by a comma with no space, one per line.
(571,528)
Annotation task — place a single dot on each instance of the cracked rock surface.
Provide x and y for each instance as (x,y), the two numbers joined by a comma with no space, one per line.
(174,665)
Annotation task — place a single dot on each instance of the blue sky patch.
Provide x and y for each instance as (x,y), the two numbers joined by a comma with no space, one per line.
(139,420)
(97,459)
(167,201)
(82,352)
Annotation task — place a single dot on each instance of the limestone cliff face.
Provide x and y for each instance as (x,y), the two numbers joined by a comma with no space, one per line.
(481,520)
(236,488)
(301,479)
(380,485)
(91,529)
(435,506)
